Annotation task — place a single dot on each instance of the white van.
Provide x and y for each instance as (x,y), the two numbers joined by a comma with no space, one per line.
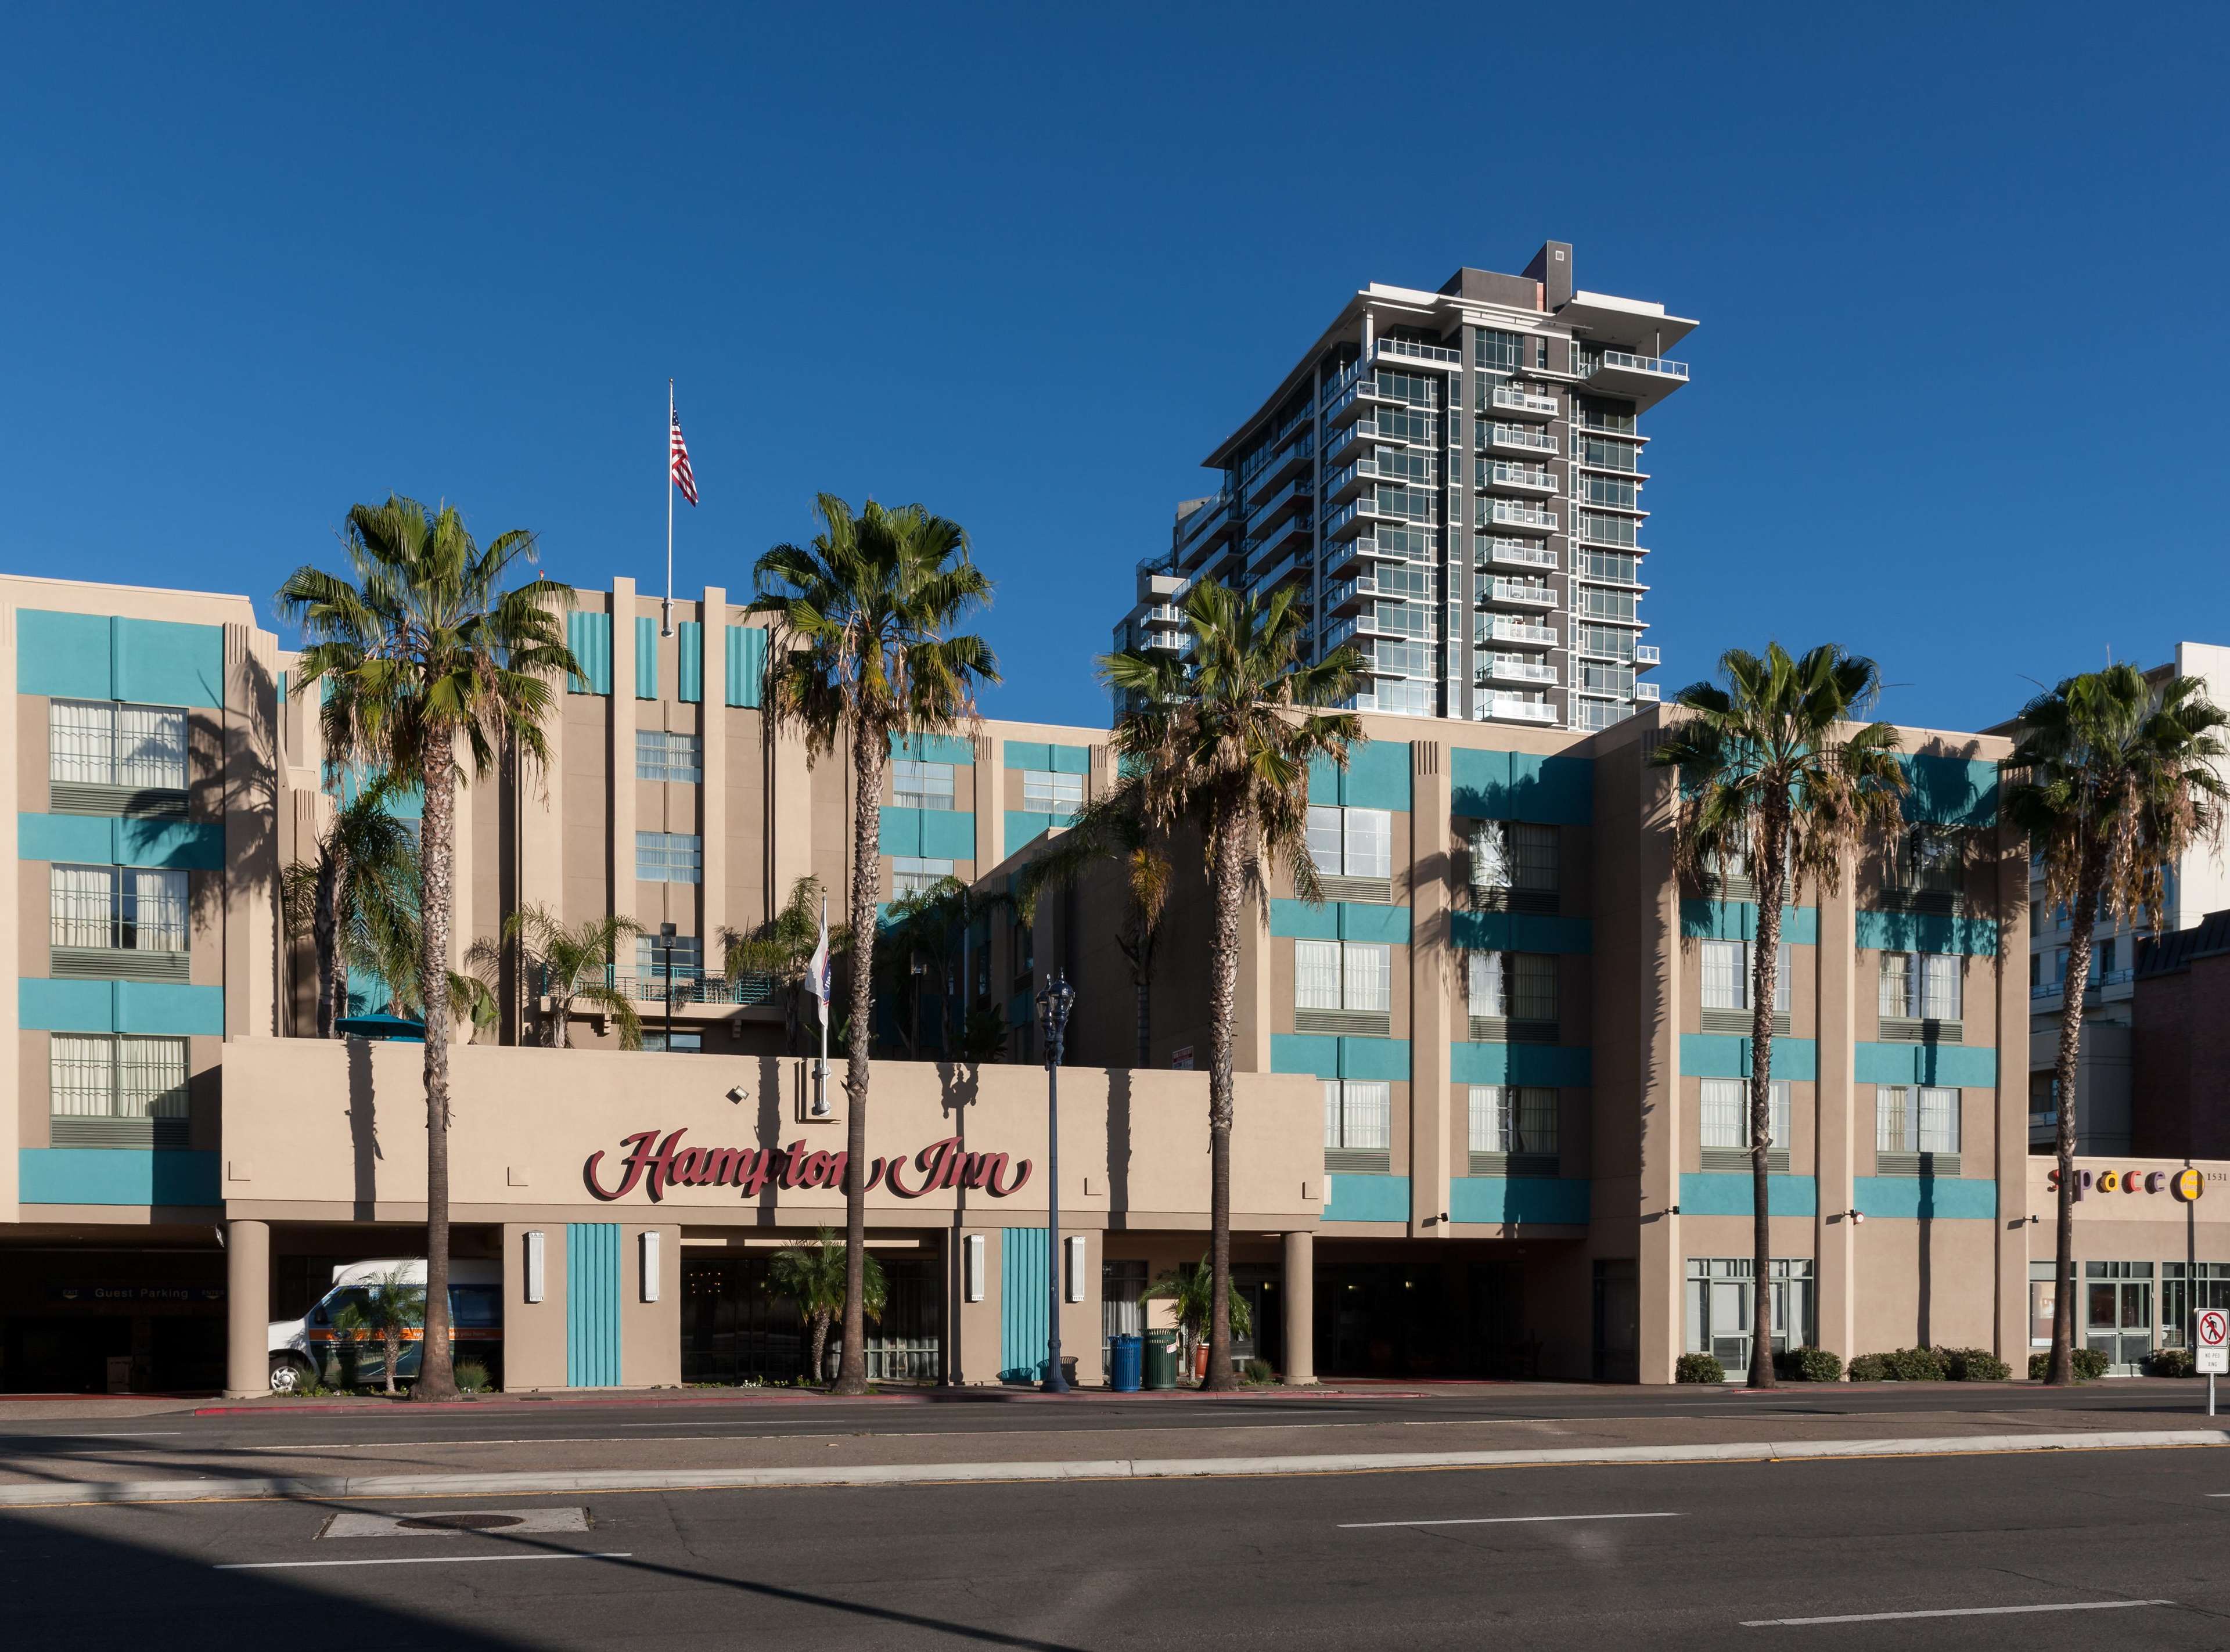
(348,1355)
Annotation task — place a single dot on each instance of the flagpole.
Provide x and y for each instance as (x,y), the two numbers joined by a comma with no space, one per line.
(665,608)
(821,1067)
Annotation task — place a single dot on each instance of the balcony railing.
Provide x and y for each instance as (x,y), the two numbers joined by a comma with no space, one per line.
(693,987)
(1509,514)
(1516,668)
(1645,653)
(1633,364)
(1526,436)
(1417,352)
(1645,692)
(1521,553)
(1519,401)
(1163,613)
(1502,473)
(1500,630)
(1514,707)
(1511,590)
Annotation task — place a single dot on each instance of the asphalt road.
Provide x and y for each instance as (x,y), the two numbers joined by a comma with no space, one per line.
(1003,1412)
(1674,1556)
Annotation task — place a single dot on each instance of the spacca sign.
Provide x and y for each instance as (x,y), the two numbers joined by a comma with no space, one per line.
(2186,1186)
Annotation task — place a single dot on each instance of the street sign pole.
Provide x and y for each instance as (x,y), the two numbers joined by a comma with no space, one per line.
(2211,1344)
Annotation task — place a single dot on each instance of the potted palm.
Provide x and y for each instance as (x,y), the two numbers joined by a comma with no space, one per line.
(1189,1289)
(811,1275)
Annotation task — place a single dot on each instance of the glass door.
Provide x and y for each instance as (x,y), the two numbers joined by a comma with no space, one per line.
(2118,1312)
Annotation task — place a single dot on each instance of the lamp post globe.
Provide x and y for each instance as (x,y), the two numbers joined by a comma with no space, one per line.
(1054,1003)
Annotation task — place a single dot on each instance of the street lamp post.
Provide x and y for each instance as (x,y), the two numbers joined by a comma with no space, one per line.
(666,933)
(1054,1003)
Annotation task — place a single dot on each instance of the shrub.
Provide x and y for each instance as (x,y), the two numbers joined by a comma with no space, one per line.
(2170,1362)
(1973,1365)
(1899,1364)
(472,1377)
(1870,1367)
(1808,1365)
(1698,1367)
(2090,1364)
(1258,1371)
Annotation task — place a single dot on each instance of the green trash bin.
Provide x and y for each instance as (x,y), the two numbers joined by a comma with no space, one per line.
(1161,1359)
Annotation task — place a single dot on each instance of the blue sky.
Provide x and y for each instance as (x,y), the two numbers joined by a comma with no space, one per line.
(1959,271)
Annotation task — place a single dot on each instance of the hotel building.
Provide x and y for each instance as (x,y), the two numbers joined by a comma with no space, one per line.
(1488,1099)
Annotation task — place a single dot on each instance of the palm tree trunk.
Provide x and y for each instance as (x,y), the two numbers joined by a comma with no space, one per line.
(1232,844)
(436,1381)
(1765,972)
(1141,984)
(2083,914)
(820,1372)
(868,747)
(325,937)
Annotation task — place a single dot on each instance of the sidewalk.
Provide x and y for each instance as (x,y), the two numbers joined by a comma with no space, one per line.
(126,1472)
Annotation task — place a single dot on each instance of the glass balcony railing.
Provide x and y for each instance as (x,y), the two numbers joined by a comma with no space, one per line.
(1633,364)
(692,986)
(1518,401)
(1516,709)
(1529,437)
(1416,352)
(1508,514)
(1519,553)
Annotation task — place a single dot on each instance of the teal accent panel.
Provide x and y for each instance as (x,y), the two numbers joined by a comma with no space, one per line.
(116,1176)
(1712,1055)
(1520,932)
(689,663)
(1955,1198)
(1304,1052)
(1367,1199)
(1952,791)
(1517,786)
(898,831)
(120,841)
(1566,1066)
(1929,932)
(64,654)
(1069,760)
(1384,1059)
(592,1304)
(747,653)
(590,636)
(1023,825)
(1503,1200)
(645,657)
(166,1008)
(1955,1065)
(1377,776)
(948,835)
(1341,920)
(1023,1325)
(1732,1193)
(161,662)
(1028,754)
(935,749)
(404,802)
(1738,921)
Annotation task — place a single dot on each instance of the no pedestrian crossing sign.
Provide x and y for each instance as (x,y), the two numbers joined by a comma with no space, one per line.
(2214,1342)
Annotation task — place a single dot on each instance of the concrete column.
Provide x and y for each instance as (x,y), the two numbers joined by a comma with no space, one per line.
(250,733)
(2010,976)
(11,1209)
(620,780)
(991,794)
(1300,1309)
(790,822)
(246,1309)
(1839,1115)
(712,794)
(1250,1040)
(1432,989)
(1659,960)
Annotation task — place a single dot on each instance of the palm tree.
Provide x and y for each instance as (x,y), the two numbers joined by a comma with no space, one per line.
(2119,783)
(1223,736)
(1113,831)
(1773,778)
(862,617)
(1189,1289)
(816,1275)
(426,662)
(567,964)
(781,947)
(357,899)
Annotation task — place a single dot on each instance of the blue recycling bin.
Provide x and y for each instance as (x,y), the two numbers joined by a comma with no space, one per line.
(1128,1363)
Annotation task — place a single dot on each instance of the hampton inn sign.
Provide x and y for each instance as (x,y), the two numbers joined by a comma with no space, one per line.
(655,1164)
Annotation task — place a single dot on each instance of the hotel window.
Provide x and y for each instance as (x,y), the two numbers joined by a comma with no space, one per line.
(1600,602)
(2180,1299)
(1519,1121)
(912,875)
(1620,567)
(1609,455)
(124,1091)
(1342,975)
(1600,528)
(1727,977)
(916,785)
(1047,793)
(675,1043)
(1515,857)
(1726,1114)
(1608,490)
(1351,842)
(652,954)
(118,909)
(1920,985)
(676,758)
(1593,413)
(1513,986)
(1720,1305)
(101,742)
(669,858)
(1359,1116)
(1916,1118)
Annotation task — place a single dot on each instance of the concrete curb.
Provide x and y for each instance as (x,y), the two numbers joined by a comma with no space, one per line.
(533,1482)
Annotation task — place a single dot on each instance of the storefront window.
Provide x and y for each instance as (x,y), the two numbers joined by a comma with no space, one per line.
(2117,1312)
(2042,1302)
(2180,1299)
(1719,1308)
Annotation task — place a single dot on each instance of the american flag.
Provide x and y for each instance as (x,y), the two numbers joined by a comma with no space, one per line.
(684,477)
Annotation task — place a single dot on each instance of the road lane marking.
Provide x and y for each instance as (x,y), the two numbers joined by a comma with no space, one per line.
(414,1560)
(140,1434)
(1957,1612)
(1508,1520)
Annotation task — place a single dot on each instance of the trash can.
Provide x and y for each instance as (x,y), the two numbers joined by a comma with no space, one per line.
(1128,1363)
(1161,1359)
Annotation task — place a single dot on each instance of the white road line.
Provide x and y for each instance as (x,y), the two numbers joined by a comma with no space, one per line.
(140,1434)
(1957,1611)
(1508,1520)
(414,1560)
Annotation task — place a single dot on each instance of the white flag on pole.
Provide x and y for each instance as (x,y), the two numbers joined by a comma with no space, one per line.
(816,968)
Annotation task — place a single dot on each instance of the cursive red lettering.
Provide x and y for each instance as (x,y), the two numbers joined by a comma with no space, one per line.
(816,1173)
(793,1161)
(991,1181)
(719,1167)
(638,1146)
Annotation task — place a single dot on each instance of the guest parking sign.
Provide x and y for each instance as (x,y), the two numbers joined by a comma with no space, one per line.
(2214,1342)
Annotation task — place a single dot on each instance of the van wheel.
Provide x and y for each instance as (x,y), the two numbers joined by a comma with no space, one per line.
(288,1375)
